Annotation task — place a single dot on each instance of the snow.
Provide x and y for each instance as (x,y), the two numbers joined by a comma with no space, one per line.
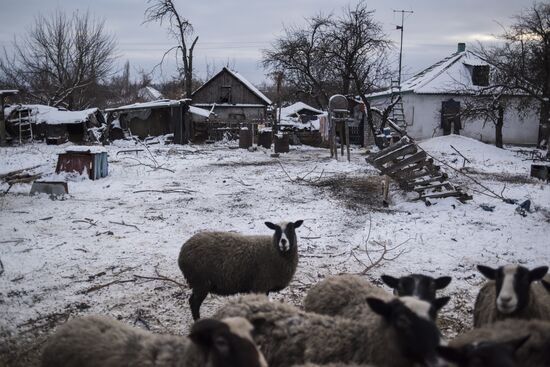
(298,106)
(144,105)
(447,75)
(134,221)
(85,148)
(53,116)
(199,111)
(150,94)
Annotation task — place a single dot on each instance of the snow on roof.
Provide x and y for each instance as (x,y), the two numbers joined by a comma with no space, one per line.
(153,104)
(85,148)
(450,74)
(249,85)
(296,107)
(199,111)
(149,94)
(243,80)
(9,91)
(53,116)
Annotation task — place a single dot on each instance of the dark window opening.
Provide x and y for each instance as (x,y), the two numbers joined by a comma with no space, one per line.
(225,94)
(237,116)
(480,75)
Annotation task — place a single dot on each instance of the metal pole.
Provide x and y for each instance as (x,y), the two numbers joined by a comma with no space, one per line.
(401,42)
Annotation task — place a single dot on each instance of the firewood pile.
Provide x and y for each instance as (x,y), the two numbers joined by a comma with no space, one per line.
(412,168)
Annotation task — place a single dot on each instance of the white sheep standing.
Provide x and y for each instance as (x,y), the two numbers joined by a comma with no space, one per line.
(529,340)
(399,333)
(511,292)
(226,263)
(98,341)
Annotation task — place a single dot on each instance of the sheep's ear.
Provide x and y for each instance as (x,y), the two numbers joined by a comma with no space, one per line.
(455,355)
(442,282)
(272,226)
(380,307)
(202,331)
(298,223)
(438,303)
(538,273)
(487,272)
(258,323)
(390,281)
(518,342)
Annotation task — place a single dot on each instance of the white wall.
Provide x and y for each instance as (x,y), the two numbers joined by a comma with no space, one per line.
(423,116)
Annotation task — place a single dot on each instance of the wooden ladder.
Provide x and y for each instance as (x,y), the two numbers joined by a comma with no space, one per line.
(411,167)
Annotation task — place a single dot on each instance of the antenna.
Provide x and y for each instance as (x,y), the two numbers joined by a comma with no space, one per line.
(401,43)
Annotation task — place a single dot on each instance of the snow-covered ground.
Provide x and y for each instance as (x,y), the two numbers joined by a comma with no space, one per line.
(86,252)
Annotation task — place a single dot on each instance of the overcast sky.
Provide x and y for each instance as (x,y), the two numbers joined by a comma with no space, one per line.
(235,31)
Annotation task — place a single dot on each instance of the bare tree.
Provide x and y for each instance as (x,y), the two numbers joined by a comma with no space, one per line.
(180,29)
(522,62)
(61,60)
(301,55)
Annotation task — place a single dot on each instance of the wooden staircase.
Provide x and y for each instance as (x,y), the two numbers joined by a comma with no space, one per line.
(411,167)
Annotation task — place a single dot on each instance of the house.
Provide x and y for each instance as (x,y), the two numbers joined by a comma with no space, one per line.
(149,94)
(232,98)
(433,98)
(156,118)
(29,122)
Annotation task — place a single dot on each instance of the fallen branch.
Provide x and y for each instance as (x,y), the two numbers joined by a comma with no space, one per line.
(87,221)
(1,268)
(167,191)
(101,286)
(385,250)
(156,166)
(125,224)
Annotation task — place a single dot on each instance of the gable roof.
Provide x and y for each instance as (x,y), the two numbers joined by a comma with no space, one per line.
(448,75)
(243,80)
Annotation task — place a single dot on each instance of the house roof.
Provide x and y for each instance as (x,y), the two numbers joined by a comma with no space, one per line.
(448,75)
(53,116)
(243,80)
(297,107)
(149,93)
(161,104)
(8,92)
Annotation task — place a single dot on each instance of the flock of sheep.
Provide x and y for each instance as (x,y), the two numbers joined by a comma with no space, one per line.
(346,321)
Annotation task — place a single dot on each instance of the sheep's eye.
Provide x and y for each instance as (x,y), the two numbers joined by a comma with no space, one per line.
(221,345)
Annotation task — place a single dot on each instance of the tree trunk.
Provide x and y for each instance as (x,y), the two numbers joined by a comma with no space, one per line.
(498,127)
(544,126)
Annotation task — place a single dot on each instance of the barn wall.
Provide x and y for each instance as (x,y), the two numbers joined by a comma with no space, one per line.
(212,91)
(423,116)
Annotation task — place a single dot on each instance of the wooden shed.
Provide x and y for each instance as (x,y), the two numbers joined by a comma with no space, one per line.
(232,98)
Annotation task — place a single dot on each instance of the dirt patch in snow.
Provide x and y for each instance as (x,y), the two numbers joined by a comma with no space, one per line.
(358,193)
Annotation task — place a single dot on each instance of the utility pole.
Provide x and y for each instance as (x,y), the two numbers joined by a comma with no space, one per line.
(401,43)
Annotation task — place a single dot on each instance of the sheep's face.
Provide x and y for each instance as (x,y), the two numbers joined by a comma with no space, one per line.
(416,333)
(284,237)
(513,283)
(420,286)
(227,343)
(484,354)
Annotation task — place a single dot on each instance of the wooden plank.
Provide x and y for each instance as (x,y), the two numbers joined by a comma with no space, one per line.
(440,195)
(417,157)
(400,152)
(431,179)
(400,143)
(445,184)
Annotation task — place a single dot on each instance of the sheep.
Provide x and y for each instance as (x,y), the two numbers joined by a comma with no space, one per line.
(398,333)
(345,295)
(332,365)
(484,353)
(95,341)
(341,294)
(227,263)
(511,293)
(546,282)
(533,352)
(417,285)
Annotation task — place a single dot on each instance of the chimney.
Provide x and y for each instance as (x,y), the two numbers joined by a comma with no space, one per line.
(461,47)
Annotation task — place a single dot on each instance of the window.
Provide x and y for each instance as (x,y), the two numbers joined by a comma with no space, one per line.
(237,116)
(225,94)
(480,75)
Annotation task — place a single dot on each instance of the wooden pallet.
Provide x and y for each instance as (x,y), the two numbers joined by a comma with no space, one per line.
(411,167)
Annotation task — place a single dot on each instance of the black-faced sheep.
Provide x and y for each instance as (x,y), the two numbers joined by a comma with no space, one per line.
(97,341)
(399,333)
(484,353)
(546,282)
(346,295)
(227,263)
(416,285)
(534,352)
(512,292)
